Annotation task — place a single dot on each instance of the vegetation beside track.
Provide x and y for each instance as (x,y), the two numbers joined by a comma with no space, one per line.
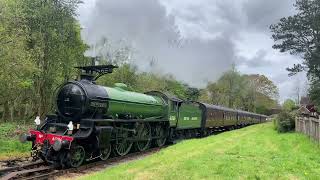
(10,146)
(254,152)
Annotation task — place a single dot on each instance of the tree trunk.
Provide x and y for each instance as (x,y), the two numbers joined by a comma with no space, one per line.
(11,111)
(6,110)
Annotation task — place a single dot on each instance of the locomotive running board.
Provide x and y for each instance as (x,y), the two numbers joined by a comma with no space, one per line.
(125,120)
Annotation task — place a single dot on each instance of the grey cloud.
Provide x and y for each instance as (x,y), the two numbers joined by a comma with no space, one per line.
(145,25)
(258,60)
(214,17)
(208,30)
(280,78)
(262,13)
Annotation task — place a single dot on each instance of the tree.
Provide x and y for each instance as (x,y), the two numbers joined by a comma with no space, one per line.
(289,105)
(126,74)
(300,35)
(254,93)
(55,44)
(314,92)
(16,67)
(192,93)
(144,81)
(39,45)
(263,85)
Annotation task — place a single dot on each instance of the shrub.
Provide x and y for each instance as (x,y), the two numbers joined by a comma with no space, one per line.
(285,122)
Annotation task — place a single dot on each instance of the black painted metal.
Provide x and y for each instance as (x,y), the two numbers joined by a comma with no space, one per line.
(80,99)
(92,73)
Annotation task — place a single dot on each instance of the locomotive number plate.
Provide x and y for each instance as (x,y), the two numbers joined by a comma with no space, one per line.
(98,104)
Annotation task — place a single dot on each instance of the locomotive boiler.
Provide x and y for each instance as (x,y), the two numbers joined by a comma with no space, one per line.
(84,99)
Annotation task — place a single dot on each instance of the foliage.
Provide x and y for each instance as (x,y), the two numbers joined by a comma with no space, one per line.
(254,93)
(144,81)
(314,92)
(299,35)
(255,152)
(16,67)
(10,145)
(40,44)
(289,105)
(285,122)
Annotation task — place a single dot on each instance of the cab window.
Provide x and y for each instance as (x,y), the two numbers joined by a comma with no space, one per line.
(174,106)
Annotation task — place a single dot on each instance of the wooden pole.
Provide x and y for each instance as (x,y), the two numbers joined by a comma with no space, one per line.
(296,124)
(319,129)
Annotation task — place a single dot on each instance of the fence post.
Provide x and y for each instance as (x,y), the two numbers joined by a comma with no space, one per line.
(313,125)
(296,124)
(304,125)
(318,130)
(310,128)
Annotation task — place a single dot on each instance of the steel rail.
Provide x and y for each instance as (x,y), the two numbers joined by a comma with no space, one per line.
(37,170)
(18,174)
(22,167)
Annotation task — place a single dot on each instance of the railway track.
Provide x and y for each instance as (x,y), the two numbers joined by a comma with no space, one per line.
(39,170)
(25,171)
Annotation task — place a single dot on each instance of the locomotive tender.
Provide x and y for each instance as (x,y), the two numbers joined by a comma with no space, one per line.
(91,121)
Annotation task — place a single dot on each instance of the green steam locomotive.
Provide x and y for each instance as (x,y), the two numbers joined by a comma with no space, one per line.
(91,121)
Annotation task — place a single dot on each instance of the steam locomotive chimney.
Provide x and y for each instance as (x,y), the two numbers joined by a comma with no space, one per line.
(93,72)
(88,74)
(93,61)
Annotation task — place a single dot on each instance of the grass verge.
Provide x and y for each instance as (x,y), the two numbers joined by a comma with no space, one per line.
(10,146)
(255,152)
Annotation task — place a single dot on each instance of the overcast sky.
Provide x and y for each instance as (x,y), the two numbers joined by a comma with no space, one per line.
(196,40)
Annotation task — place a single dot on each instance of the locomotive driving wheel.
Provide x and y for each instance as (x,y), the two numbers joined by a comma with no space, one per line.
(161,133)
(76,156)
(105,153)
(143,136)
(123,144)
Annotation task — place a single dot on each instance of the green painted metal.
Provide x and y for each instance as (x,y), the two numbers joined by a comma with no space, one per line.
(190,116)
(138,105)
(173,109)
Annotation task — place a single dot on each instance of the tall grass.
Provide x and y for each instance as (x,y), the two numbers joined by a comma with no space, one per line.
(10,146)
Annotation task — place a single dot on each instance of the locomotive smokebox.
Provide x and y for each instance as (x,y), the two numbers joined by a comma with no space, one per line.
(79,99)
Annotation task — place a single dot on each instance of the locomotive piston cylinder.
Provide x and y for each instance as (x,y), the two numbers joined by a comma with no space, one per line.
(27,137)
(58,144)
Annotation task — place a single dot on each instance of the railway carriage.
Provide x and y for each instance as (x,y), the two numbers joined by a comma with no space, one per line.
(91,121)
(198,119)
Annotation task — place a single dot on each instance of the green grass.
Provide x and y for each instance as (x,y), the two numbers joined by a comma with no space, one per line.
(10,146)
(256,152)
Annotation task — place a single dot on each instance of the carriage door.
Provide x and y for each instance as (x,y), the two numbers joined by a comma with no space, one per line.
(173,115)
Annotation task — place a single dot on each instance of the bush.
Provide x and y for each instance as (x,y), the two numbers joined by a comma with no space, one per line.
(285,122)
